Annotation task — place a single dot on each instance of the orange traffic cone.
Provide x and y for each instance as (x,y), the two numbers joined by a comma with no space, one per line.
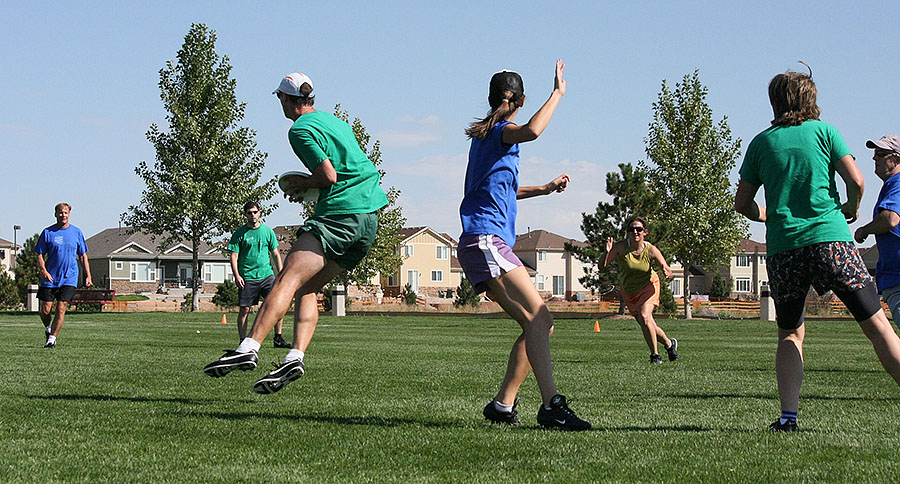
(596,326)
(224,321)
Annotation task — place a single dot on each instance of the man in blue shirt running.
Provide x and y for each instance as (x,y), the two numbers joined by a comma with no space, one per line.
(60,248)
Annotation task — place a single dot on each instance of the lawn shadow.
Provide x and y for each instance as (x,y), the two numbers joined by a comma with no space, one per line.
(657,428)
(115,398)
(774,396)
(367,420)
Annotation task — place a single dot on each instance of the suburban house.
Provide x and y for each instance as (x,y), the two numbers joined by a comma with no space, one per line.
(132,262)
(554,270)
(8,256)
(429,264)
(746,268)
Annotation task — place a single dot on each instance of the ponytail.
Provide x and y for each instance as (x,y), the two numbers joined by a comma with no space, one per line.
(505,107)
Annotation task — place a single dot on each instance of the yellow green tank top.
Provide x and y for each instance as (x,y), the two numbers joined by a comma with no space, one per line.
(634,270)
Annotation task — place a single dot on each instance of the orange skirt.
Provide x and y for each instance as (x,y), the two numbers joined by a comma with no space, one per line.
(650,293)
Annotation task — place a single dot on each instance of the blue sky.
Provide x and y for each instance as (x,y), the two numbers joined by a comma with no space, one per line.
(79,88)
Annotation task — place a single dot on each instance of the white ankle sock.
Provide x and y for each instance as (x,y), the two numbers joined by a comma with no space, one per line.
(503,408)
(50,329)
(293,355)
(51,339)
(248,345)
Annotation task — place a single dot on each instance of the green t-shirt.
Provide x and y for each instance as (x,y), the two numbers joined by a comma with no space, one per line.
(253,247)
(796,166)
(318,136)
(635,271)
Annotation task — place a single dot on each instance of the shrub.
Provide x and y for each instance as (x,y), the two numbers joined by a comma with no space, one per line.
(408,295)
(465,295)
(227,294)
(9,294)
(667,304)
(720,288)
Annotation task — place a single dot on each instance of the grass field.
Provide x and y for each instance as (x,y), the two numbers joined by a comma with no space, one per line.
(399,399)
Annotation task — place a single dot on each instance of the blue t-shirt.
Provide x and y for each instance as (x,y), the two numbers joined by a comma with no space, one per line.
(887,271)
(492,182)
(61,249)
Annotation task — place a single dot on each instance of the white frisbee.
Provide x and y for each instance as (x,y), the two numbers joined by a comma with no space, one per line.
(287,179)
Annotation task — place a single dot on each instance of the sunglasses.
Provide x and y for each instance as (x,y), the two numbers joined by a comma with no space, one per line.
(635,229)
(252,212)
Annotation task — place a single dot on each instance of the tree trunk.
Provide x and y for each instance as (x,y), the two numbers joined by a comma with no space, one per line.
(195,279)
(687,292)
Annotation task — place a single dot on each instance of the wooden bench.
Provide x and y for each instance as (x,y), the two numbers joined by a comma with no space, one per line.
(86,295)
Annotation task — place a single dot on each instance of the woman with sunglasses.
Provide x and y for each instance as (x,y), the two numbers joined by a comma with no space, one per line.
(639,283)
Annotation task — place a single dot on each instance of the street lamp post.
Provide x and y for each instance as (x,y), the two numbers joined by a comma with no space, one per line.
(16,229)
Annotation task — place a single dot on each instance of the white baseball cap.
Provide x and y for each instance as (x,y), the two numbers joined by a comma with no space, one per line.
(291,84)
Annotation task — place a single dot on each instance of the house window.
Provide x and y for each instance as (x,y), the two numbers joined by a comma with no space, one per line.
(742,260)
(742,284)
(215,273)
(542,255)
(540,282)
(143,272)
(675,286)
(392,280)
(118,265)
(408,250)
(437,276)
(559,285)
(441,252)
(762,260)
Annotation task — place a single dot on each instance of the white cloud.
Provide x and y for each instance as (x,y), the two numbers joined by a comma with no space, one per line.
(412,132)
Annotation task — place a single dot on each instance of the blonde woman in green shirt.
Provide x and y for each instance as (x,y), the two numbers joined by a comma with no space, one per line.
(639,283)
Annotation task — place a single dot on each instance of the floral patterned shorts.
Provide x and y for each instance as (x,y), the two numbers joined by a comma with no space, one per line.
(835,266)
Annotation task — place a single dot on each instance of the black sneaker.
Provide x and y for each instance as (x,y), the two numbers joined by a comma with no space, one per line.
(494,415)
(673,350)
(787,426)
(231,360)
(50,346)
(655,359)
(279,377)
(560,416)
(279,342)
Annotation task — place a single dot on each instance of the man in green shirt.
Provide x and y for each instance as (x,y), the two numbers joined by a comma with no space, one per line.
(334,239)
(253,246)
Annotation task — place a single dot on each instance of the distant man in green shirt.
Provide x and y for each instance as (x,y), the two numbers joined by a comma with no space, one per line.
(337,236)
(253,246)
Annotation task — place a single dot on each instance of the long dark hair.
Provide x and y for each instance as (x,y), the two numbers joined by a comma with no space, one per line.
(505,96)
(793,98)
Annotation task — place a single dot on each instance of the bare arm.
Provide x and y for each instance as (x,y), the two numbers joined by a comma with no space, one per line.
(44,274)
(744,203)
(612,251)
(557,184)
(529,131)
(853,179)
(277,255)
(234,270)
(83,258)
(656,254)
(883,223)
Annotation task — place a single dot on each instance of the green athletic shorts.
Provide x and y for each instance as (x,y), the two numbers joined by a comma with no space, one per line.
(346,238)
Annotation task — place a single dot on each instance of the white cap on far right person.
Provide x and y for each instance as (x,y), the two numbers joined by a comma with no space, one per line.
(292,83)
(889,142)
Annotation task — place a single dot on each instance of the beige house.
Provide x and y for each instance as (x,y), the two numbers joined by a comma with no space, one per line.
(746,268)
(8,256)
(132,262)
(554,270)
(429,264)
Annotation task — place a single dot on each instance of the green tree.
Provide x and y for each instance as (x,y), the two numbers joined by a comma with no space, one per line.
(466,295)
(26,270)
(9,294)
(720,288)
(631,195)
(690,158)
(381,258)
(206,166)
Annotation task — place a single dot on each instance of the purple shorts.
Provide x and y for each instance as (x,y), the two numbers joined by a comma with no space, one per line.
(485,257)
